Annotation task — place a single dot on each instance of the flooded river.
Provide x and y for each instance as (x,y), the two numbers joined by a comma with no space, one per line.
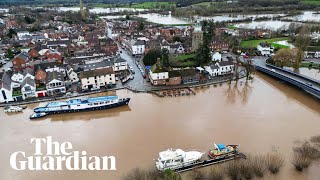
(262,116)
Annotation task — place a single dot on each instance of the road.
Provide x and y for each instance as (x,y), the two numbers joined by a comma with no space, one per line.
(138,83)
(261,61)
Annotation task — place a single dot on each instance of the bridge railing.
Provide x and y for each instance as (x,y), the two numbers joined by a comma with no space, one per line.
(293,73)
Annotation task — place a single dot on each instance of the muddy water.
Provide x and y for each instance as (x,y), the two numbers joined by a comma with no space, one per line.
(262,116)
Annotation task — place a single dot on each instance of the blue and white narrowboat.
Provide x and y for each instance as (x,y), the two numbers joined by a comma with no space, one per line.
(82,104)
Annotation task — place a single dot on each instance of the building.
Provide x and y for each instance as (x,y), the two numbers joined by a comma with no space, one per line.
(216,56)
(55,84)
(189,76)
(5,87)
(137,47)
(265,49)
(97,78)
(19,62)
(120,64)
(197,37)
(174,78)
(72,75)
(158,74)
(28,87)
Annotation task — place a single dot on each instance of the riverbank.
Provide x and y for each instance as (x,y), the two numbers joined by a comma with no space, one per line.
(153,90)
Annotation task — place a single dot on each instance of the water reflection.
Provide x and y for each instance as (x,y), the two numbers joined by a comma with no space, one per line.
(293,93)
(99,114)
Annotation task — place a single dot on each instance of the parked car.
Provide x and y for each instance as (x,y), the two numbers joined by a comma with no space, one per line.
(95,88)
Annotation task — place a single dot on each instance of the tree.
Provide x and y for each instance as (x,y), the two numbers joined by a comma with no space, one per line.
(11,33)
(247,64)
(302,42)
(151,57)
(165,57)
(284,57)
(9,54)
(141,26)
(127,17)
(29,20)
(176,39)
(203,55)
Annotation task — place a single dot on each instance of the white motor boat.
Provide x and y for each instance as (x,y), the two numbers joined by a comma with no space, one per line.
(9,109)
(176,158)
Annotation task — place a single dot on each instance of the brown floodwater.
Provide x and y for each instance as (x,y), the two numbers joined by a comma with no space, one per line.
(263,116)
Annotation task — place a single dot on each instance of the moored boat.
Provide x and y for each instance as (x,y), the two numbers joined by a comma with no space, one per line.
(176,158)
(38,115)
(220,151)
(10,109)
(82,104)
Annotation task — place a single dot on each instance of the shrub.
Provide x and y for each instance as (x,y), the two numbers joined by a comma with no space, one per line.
(197,175)
(233,170)
(274,162)
(216,173)
(246,169)
(259,165)
(300,162)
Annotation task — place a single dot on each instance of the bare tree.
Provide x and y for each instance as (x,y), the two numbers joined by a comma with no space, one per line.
(302,42)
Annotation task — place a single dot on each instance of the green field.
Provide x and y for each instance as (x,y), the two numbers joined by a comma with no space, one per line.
(311,2)
(185,60)
(254,43)
(145,5)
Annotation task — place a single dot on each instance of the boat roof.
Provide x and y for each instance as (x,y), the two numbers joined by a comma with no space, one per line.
(171,154)
(81,101)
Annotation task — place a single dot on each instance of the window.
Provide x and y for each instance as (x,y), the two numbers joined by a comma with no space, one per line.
(95,103)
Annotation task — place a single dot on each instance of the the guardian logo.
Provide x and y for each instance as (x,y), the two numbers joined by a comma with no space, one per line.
(59,157)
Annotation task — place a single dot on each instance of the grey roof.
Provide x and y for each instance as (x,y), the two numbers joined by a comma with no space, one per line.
(23,56)
(54,75)
(93,66)
(139,42)
(119,60)
(225,63)
(5,81)
(214,67)
(28,80)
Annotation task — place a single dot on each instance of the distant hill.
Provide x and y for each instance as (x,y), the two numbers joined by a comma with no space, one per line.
(66,2)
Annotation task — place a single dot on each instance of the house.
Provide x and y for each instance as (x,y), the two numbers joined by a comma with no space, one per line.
(40,75)
(120,64)
(165,45)
(72,75)
(216,56)
(265,49)
(28,87)
(34,52)
(55,84)
(5,87)
(174,78)
(220,68)
(213,70)
(158,74)
(218,45)
(189,76)
(226,67)
(176,48)
(19,62)
(97,78)
(137,47)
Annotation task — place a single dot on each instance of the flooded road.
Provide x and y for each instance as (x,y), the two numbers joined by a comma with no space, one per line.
(262,116)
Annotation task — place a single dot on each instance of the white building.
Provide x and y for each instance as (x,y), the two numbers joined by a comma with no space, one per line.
(55,83)
(120,64)
(72,75)
(28,87)
(97,78)
(158,74)
(216,56)
(220,68)
(5,88)
(137,47)
(265,49)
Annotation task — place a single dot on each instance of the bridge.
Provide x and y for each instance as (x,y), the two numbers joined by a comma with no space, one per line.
(310,85)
